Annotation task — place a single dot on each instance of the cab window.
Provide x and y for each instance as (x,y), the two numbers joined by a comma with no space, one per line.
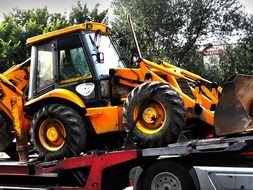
(73,64)
(101,43)
(45,66)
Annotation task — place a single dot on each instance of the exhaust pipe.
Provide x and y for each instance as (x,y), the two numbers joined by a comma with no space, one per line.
(234,112)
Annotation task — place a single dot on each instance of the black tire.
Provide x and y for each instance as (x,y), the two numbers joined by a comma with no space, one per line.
(11,151)
(69,127)
(161,128)
(166,175)
(5,133)
(6,138)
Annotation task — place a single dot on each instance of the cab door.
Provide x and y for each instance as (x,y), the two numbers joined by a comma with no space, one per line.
(74,70)
(42,69)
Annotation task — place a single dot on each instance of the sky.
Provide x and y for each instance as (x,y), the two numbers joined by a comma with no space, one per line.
(248,5)
(52,5)
(65,5)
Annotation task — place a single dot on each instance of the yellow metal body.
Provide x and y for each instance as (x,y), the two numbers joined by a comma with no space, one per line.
(62,94)
(12,83)
(169,73)
(19,127)
(88,26)
(106,119)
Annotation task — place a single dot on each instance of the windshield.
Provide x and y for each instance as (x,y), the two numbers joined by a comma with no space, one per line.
(100,43)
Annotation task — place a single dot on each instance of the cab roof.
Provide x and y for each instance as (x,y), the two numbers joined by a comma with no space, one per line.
(88,26)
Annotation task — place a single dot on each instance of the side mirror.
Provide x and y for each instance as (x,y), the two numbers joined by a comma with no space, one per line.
(100,57)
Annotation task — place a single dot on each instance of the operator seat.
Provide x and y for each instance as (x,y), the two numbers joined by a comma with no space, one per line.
(67,70)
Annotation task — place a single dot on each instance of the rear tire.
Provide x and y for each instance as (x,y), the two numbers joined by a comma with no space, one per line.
(154,114)
(166,175)
(58,131)
(11,151)
(5,133)
(6,138)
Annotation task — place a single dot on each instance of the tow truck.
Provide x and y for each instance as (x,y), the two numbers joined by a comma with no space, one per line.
(198,164)
(190,164)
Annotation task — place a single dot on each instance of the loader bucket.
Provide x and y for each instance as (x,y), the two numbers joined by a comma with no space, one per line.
(234,112)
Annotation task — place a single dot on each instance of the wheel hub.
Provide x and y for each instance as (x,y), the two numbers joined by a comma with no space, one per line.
(150,115)
(166,181)
(52,134)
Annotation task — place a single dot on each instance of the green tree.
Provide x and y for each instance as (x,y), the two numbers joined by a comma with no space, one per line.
(172,30)
(21,24)
(18,26)
(238,58)
(80,13)
(10,35)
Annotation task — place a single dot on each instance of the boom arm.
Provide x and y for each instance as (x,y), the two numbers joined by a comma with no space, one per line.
(13,83)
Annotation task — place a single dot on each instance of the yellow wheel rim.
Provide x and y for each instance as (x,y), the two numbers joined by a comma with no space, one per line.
(52,134)
(152,118)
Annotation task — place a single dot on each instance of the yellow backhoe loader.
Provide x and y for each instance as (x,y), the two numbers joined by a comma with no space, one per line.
(76,85)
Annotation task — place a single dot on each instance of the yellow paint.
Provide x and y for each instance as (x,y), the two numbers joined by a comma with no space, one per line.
(75,79)
(8,90)
(18,76)
(106,119)
(207,116)
(210,94)
(152,119)
(128,83)
(148,114)
(175,72)
(130,74)
(16,113)
(219,89)
(52,134)
(6,81)
(61,94)
(183,71)
(61,32)
(7,94)
(168,73)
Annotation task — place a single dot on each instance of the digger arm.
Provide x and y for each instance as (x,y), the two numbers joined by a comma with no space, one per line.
(13,83)
(150,71)
(13,86)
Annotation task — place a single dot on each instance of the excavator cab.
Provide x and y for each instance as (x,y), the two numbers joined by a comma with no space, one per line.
(77,61)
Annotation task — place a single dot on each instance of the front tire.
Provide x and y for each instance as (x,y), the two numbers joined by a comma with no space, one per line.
(154,114)
(58,131)
(166,175)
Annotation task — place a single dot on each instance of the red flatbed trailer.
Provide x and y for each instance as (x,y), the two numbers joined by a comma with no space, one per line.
(87,172)
(204,164)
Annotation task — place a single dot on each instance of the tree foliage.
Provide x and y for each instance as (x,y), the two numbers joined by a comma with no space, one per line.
(80,13)
(167,30)
(237,58)
(21,24)
(173,30)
